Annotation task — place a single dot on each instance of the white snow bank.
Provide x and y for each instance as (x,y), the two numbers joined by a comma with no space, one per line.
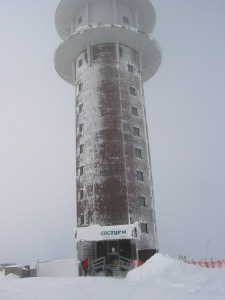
(58,268)
(161,266)
(160,278)
(11,276)
(169,276)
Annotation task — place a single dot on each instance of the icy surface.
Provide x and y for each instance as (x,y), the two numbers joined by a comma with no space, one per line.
(161,278)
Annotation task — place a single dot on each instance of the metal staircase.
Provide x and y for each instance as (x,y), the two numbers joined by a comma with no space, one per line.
(99,267)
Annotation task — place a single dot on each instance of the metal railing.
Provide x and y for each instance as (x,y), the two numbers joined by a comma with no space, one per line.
(125,263)
(99,265)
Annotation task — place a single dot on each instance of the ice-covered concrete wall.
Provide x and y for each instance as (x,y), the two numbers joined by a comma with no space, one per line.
(108,191)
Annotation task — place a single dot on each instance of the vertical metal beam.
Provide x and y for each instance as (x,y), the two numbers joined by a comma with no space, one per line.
(87,7)
(72,27)
(115,17)
(140,64)
(89,56)
(136,17)
(117,52)
(74,71)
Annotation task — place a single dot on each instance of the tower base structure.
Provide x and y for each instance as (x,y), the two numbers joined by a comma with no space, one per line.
(111,250)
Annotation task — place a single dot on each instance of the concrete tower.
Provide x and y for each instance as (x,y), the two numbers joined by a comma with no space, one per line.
(107,54)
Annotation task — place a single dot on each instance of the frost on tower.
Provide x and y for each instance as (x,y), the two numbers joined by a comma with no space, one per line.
(107,54)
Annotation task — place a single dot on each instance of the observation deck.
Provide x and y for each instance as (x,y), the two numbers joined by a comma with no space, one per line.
(83,24)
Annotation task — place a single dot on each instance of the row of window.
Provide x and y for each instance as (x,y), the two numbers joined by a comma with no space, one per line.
(138,153)
(144,226)
(136,130)
(133,91)
(134,110)
(141,199)
(125,20)
(139,174)
(130,68)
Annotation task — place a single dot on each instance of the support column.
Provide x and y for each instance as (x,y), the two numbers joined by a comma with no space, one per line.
(115,18)
(89,56)
(140,64)
(136,17)
(117,52)
(87,13)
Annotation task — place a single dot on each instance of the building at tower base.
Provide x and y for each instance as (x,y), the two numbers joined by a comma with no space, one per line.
(107,54)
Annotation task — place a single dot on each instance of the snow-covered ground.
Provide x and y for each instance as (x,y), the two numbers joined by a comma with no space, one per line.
(160,278)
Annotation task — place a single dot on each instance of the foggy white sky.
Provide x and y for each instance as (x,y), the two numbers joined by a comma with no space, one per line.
(185,106)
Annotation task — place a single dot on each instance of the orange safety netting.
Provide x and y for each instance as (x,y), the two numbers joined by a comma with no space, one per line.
(211,264)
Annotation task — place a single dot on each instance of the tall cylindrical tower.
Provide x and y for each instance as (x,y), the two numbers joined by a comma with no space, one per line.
(107,54)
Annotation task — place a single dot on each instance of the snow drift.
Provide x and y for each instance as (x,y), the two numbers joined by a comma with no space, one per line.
(161,266)
(159,278)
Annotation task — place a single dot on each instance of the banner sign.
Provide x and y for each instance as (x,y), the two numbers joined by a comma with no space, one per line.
(100,233)
(118,233)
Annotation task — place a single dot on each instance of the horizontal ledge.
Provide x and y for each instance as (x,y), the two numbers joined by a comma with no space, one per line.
(137,40)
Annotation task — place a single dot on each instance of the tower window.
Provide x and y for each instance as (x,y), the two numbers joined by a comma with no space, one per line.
(80,86)
(134,111)
(140,176)
(133,91)
(138,153)
(130,68)
(136,131)
(125,20)
(81,148)
(141,201)
(80,19)
(144,227)
(80,108)
(81,170)
(81,128)
(81,194)
(80,62)
(83,219)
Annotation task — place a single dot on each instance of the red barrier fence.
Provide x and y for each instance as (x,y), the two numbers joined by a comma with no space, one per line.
(211,264)
(136,263)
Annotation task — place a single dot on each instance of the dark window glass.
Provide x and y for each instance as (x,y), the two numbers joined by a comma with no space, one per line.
(80,63)
(80,86)
(126,20)
(83,219)
(81,148)
(81,194)
(142,201)
(144,227)
(130,68)
(80,108)
(136,131)
(138,153)
(134,111)
(80,20)
(140,176)
(132,91)
(81,171)
(81,127)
